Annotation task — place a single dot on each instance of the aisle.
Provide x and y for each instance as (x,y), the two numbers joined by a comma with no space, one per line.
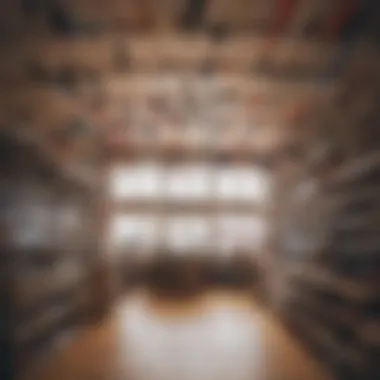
(220,336)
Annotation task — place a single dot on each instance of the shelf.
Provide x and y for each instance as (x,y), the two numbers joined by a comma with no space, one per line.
(321,338)
(36,327)
(36,288)
(366,192)
(355,223)
(40,151)
(48,283)
(345,335)
(369,333)
(51,298)
(361,169)
(364,249)
(338,314)
(325,280)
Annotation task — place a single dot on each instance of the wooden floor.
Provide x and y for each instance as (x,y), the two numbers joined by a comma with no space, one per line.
(219,336)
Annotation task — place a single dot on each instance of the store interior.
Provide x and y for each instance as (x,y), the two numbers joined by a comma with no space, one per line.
(189,189)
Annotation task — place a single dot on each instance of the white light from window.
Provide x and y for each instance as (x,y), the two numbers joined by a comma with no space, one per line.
(133,231)
(188,182)
(240,232)
(188,232)
(135,181)
(242,183)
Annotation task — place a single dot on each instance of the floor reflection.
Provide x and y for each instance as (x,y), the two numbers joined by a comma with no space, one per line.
(218,336)
(219,341)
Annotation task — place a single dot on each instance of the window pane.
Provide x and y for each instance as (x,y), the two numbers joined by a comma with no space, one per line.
(188,182)
(127,231)
(135,181)
(187,232)
(240,232)
(242,183)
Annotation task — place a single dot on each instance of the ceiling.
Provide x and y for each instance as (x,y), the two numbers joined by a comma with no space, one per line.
(252,73)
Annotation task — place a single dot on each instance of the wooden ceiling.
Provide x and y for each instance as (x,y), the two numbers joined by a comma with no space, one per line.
(249,72)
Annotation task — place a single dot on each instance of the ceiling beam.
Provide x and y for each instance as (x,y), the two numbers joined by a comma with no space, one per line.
(193,14)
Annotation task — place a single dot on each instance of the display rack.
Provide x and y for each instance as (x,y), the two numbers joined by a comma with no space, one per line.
(46,255)
(333,296)
(331,289)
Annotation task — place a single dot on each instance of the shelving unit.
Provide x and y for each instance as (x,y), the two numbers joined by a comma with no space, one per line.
(330,294)
(48,245)
(333,297)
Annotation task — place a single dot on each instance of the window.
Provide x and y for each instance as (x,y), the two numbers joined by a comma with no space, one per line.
(136,181)
(187,233)
(241,183)
(188,182)
(220,229)
(240,232)
(133,231)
